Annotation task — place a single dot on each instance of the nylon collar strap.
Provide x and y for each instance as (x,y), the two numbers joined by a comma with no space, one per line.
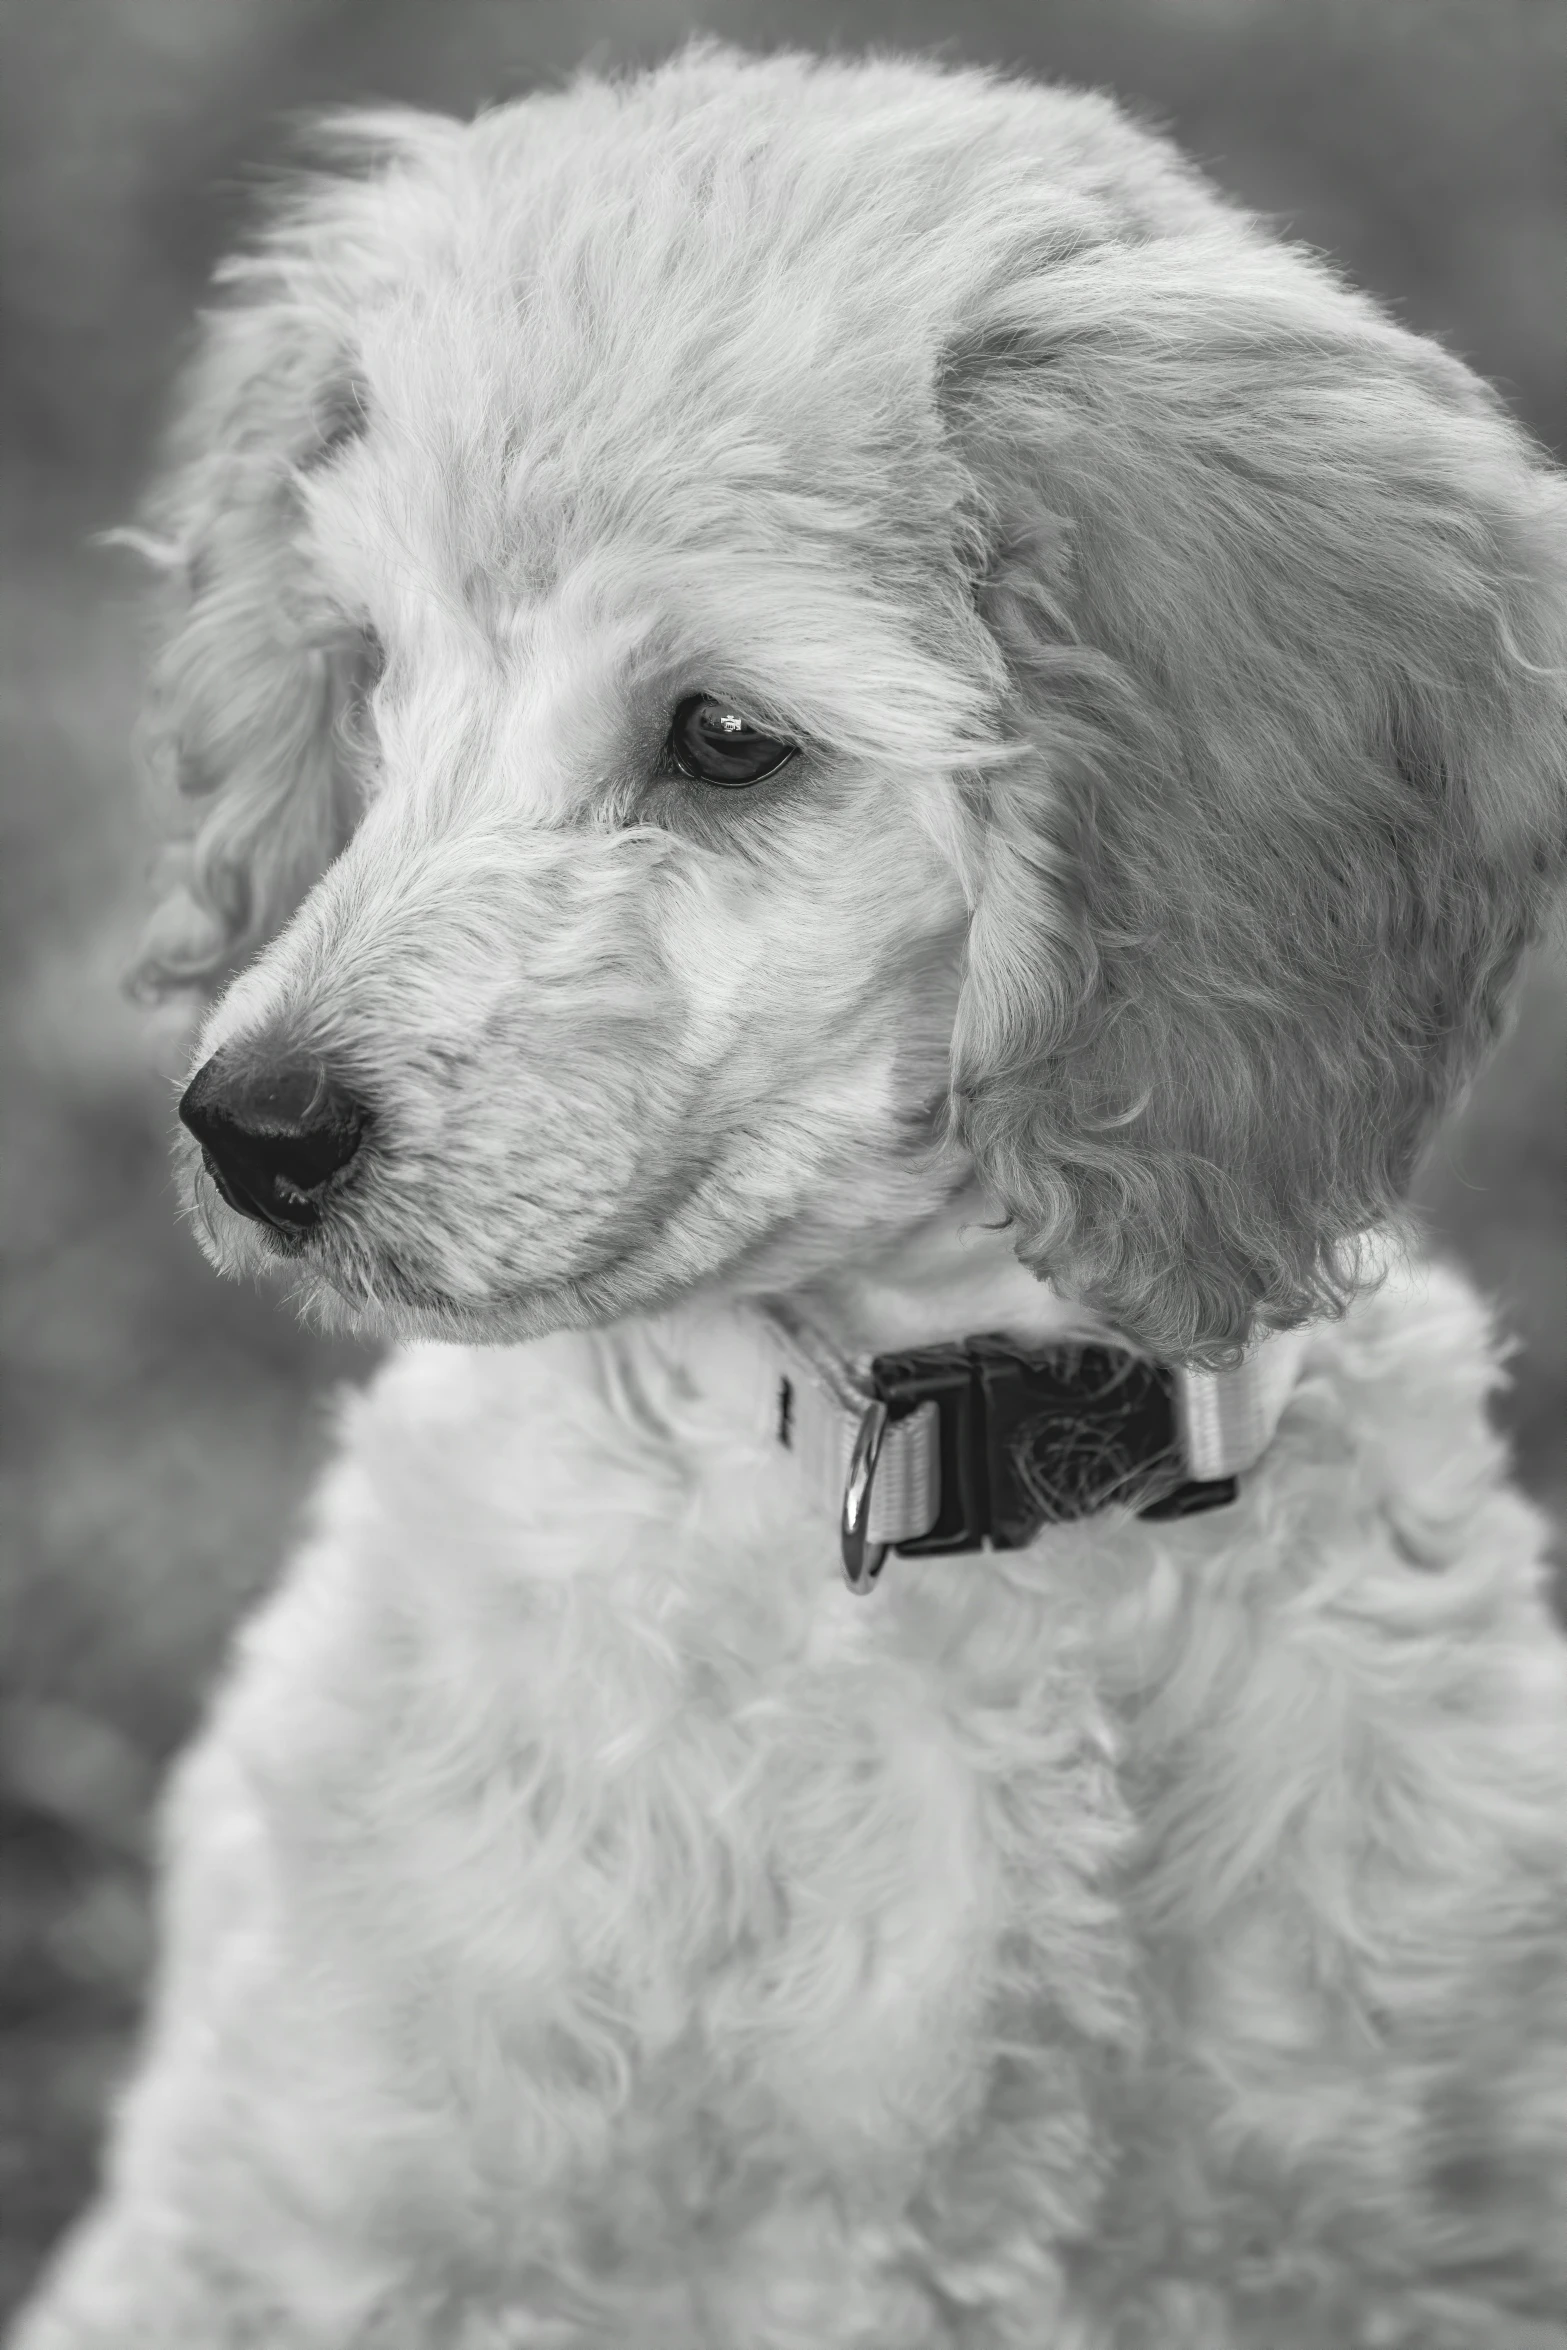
(982,1441)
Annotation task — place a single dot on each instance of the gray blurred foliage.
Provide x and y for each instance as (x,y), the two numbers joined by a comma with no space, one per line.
(159,1427)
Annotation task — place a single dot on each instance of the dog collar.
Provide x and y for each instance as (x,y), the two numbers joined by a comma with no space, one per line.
(980,1442)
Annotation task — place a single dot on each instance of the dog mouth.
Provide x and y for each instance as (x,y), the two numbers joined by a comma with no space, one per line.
(340,1270)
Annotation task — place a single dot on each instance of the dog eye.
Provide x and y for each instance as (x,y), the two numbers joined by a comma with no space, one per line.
(711,743)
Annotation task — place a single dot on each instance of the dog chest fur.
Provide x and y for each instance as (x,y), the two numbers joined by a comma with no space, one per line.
(627,1904)
(670,1846)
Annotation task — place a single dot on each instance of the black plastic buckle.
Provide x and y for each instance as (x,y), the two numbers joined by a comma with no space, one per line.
(1037,1438)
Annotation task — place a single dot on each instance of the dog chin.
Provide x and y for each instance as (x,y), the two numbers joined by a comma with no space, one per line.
(388,1307)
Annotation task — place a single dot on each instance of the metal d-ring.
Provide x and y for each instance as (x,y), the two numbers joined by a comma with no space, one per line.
(863,1559)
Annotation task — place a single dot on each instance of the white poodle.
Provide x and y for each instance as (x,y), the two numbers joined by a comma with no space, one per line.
(875,766)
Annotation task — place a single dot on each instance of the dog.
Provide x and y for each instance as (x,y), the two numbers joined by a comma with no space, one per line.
(859,770)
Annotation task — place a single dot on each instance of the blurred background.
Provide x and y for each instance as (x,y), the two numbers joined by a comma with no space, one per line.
(159,1427)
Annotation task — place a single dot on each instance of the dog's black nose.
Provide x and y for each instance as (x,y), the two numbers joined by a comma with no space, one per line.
(273,1133)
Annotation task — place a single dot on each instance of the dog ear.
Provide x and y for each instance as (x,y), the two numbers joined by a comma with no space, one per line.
(255,674)
(1282,596)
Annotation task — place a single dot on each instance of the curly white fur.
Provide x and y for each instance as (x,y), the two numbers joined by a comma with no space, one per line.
(587,1924)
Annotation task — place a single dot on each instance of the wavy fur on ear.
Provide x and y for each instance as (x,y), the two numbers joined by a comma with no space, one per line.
(257,674)
(245,694)
(1283,596)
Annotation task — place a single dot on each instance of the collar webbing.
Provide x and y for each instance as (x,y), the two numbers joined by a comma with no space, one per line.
(981,1441)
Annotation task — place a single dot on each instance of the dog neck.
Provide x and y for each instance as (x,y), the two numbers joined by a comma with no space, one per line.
(939,1398)
(956,1272)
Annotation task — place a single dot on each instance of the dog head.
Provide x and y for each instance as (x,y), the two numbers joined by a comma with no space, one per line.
(754,642)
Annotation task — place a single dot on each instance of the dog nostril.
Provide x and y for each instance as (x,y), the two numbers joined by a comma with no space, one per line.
(273,1134)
